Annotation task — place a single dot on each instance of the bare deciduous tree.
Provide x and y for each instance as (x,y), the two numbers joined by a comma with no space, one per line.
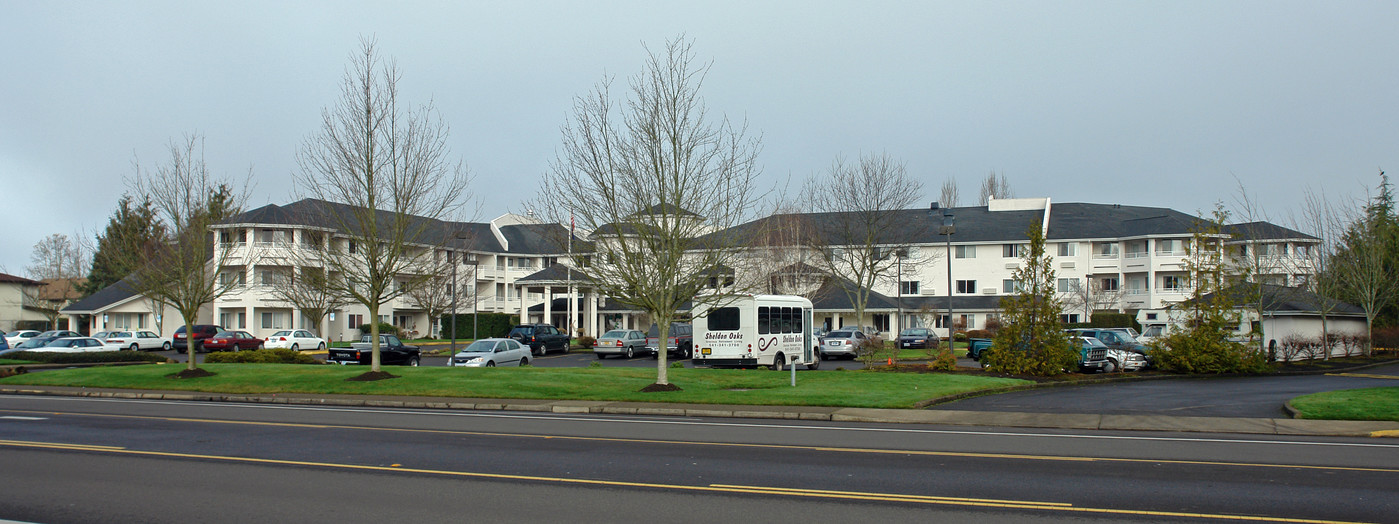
(56,256)
(949,197)
(437,293)
(865,222)
(1362,265)
(1318,217)
(310,290)
(382,173)
(652,177)
(995,186)
(180,270)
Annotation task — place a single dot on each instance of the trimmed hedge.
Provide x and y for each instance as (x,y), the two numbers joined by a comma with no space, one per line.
(85,358)
(489,325)
(384,329)
(261,356)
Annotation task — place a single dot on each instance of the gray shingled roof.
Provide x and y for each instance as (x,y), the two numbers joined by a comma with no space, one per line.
(537,239)
(1284,299)
(555,273)
(1265,231)
(105,297)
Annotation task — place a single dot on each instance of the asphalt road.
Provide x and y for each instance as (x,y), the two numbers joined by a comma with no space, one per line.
(1248,397)
(103,460)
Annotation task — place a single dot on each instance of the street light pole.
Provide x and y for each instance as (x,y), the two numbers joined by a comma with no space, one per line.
(456,290)
(949,226)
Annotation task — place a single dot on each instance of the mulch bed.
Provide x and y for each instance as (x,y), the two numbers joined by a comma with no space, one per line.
(191,373)
(654,388)
(372,376)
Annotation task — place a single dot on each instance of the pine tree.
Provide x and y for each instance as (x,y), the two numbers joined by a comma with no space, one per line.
(1031,340)
(132,226)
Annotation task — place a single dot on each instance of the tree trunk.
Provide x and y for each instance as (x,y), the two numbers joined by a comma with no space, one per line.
(662,353)
(374,337)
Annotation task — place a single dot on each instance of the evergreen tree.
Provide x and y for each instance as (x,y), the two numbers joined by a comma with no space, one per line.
(132,226)
(1031,340)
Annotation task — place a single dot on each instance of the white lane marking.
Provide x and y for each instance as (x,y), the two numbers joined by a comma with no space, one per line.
(17,417)
(555,417)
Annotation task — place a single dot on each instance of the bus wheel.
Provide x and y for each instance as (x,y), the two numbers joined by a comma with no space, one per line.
(777,361)
(815,361)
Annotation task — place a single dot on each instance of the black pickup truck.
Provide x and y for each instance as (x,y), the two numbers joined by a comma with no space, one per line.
(392,351)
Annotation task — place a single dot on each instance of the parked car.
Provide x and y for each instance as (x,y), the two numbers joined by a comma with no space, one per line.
(975,346)
(14,338)
(71,345)
(843,343)
(392,351)
(232,341)
(1126,354)
(1092,354)
(680,341)
(101,335)
(295,340)
(541,338)
(491,352)
(133,340)
(202,332)
(624,342)
(920,338)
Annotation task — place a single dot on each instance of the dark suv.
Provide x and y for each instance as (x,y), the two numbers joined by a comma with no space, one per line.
(680,343)
(540,338)
(202,332)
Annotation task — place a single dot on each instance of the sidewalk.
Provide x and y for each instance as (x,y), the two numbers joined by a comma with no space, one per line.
(1261,426)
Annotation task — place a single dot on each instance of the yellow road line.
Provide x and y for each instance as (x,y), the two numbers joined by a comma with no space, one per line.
(713,488)
(827,449)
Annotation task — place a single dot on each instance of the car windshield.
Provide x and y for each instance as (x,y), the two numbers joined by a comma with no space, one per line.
(62,343)
(480,346)
(282,334)
(522,331)
(614,334)
(31,344)
(915,332)
(225,334)
(841,334)
(14,334)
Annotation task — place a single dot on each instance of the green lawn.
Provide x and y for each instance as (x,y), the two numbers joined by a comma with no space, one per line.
(1350,404)
(706,386)
(10,361)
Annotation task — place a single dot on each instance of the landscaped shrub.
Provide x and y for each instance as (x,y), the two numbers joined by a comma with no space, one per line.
(1198,351)
(261,356)
(1040,359)
(993,325)
(1297,347)
(871,352)
(487,324)
(1386,338)
(960,336)
(1114,320)
(945,361)
(384,329)
(586,342)
(980,333)
(83,358)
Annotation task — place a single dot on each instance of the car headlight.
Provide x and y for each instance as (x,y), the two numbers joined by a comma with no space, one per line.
(476,360)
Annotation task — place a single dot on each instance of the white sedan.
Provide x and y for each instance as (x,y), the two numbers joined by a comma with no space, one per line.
(492,352)
(295,340)
(134,340)
(72,345)
(15,338)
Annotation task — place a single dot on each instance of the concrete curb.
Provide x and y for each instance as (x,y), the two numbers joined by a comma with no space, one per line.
(1078,421)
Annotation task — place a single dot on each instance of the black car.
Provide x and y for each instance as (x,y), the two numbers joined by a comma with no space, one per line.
(541,338)
(921,338)
(202,332)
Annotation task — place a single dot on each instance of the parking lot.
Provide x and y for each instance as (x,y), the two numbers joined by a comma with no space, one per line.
(572,359)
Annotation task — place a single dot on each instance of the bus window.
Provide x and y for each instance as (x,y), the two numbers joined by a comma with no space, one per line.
(724,319)
(787,320)
(763,320)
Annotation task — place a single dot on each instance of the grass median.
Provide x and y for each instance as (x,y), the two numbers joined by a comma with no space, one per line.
(701,386)
(1350,404)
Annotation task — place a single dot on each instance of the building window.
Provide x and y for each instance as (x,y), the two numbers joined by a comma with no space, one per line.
(352,247)
(1106,250)
(1008,286)
(966,286)
(967,322)
(1067,249)
(965,251)
(1110,284)
(1070,318)
(1172,283)
(355,321)
(1068,285)
(1166,246)
(242,320)
(1012,250)
(908,287)
(272,320)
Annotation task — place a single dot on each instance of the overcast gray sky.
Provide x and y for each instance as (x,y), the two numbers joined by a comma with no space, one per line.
(1146,103)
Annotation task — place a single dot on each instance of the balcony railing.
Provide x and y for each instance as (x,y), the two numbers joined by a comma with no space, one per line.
(1136,254)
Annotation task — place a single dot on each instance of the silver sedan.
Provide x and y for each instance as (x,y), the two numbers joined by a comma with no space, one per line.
(624,342)
(491,352)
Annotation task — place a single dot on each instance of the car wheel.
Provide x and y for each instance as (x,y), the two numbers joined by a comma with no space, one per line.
(413,362)
(630,352)
(320,347)
(295,347)
(259,345)
(538,352)
(778,361)
(524,362)
(687,353)
(656,355)
(983,364)
(815,361)
(567,345)
(490,364)
(1110,367)
(134,347)
(165,346)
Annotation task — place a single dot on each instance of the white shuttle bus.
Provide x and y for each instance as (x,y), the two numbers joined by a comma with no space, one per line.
(755,330)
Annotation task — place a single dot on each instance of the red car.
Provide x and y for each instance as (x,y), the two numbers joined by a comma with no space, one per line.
(232,341)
